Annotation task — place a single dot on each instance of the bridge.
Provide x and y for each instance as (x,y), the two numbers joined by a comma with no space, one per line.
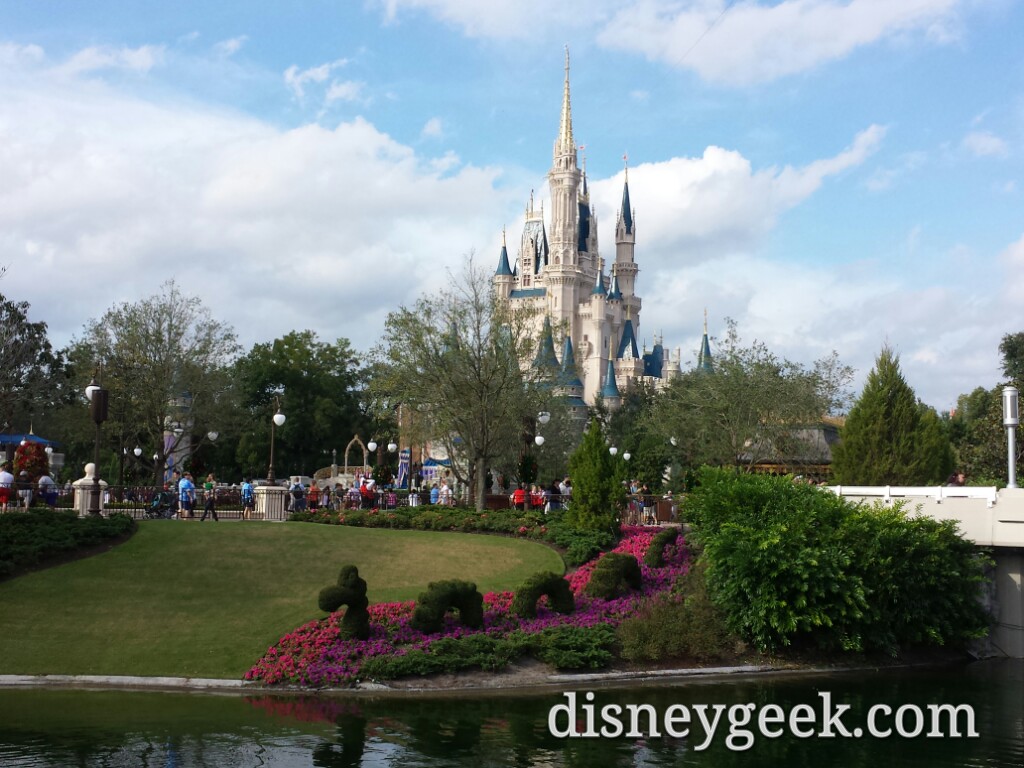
(989,517)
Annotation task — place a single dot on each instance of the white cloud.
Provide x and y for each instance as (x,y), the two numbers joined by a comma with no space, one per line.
(230,47)
(297,79)
(322,227)
(349,90)
(698,208)
(137,60)
(432,129)
(984,144)
(755,42)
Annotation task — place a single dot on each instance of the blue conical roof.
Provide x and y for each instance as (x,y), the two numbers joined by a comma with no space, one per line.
(627,346)
(704,362)
(570,378)
(627,211)
(503,267)
(610,390)
(615,293)
(546,357)
(599,289)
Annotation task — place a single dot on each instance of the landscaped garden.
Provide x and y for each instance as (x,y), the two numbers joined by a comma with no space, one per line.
(206,600)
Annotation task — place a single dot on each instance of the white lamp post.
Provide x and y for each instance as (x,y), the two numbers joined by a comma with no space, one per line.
(277,421)
(1011,420)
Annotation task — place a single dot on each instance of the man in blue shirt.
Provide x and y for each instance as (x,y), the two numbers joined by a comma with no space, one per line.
(186,495)
(248,499)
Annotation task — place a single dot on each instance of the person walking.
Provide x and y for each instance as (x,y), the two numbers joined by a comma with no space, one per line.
(48,490)
(209,498)
(186,496)
(6,486)
(248,499)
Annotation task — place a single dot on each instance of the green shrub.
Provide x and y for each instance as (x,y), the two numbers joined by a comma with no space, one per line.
(569,647)
(556,588)
(350,591)
(656,549)
(614,573)
(29,538)
(431,606)
(793,564)
(683,624)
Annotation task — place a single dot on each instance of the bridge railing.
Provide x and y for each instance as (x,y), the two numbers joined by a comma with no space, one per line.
(889,493)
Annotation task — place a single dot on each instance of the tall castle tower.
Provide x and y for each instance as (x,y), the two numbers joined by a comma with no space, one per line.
(590,305)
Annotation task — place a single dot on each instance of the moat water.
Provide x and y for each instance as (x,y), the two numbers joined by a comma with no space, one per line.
(104,728)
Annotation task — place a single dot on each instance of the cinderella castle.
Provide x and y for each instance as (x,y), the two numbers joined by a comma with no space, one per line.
(564,282)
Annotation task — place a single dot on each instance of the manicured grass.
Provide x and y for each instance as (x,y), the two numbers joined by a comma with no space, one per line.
(206,600)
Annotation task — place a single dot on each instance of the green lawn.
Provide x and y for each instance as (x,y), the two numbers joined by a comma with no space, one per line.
(206,600)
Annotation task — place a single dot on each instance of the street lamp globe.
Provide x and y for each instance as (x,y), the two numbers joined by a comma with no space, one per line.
(627,455)
(613,450)
(91,389)
(392,447)
(137,452)
(279,419)
(371,446)
(539,439)
(156,457)
(543,417)
(212,436)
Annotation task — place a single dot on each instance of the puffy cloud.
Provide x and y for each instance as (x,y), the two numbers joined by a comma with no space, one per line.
(755,42)
(984,144)
(698,208)
(296,79)
(106,195)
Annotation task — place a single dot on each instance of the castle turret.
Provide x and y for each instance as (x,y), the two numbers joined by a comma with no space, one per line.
(503,277)
(625,267)
(704,362)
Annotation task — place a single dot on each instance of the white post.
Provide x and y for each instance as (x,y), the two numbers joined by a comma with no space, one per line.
(1011,420)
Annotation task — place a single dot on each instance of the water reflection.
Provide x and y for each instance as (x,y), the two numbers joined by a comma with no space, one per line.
(77,728)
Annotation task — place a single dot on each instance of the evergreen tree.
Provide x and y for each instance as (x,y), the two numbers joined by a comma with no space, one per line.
(886,439)
(597,490)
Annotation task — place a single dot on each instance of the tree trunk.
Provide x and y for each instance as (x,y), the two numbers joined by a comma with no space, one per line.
(481,482)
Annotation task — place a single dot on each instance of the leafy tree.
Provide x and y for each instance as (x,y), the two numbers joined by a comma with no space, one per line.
(164,361)
(888,438)
(1012,350)
(319,386)
(750,409)
(597,490)
(979,437)
(452,363)
(30,372)
(628,429)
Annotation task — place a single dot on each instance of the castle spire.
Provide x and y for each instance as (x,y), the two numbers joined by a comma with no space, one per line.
(566,144)
(503,267)
(704,362)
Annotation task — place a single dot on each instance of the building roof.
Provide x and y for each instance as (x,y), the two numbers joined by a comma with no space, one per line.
(570,377)
(546,357)
(627,211)
(503,267)
(527,293)
(615,293)
(610,390)
(627,346)
(599,289)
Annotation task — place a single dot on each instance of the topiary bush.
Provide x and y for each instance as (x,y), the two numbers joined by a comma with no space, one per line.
(350,591)
(556,588)
(654,557)
(432,605)
(613,574)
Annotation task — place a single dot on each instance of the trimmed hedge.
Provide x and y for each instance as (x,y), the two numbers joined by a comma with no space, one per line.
(614,573)
(30,538)
(580,546)
(555,587)
(432,605)
(654,557)
(350,591)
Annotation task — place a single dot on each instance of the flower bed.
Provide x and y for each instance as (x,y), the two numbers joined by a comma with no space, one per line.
(314,655)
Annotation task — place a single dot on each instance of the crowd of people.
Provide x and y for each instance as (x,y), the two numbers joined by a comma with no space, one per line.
(18,492)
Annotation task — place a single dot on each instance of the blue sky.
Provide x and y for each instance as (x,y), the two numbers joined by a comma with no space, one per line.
(831,174)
